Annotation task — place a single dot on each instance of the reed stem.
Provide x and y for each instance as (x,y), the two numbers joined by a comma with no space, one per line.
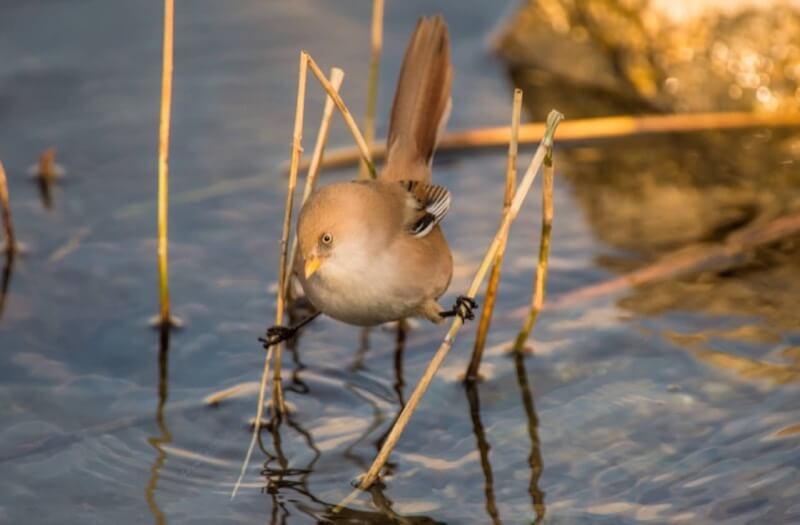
(5,209)
(262,391)
(346,115)
(473,370)
(372,82)
(544,253)
(369,478)
(582,130)
(284,272)
(164,318)
(337,76)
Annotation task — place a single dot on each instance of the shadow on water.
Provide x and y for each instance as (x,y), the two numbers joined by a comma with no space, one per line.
(164,437)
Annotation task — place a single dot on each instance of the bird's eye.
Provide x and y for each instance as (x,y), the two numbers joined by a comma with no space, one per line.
(326,238)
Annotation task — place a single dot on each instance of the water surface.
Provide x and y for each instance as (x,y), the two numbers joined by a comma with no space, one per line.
(632,409)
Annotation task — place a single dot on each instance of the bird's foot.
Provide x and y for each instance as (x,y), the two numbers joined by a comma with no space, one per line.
(277,334)
(462,308)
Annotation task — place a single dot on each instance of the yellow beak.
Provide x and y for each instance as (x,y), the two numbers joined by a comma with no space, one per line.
(311,266)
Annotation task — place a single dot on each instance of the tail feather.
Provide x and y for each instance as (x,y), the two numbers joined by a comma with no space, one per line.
(421,104)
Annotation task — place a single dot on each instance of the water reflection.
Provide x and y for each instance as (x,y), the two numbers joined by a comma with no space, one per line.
(8,266)
(164,437)
(45,192)
(535,458)
(471,388)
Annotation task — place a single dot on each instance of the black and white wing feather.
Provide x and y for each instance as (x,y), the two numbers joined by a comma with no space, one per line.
(431,203)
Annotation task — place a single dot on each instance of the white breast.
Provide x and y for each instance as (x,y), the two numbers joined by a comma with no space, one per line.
(360,289)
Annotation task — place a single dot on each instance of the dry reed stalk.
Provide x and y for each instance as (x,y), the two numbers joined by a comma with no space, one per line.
(494,278)
(5,209)
(346,115)
(376,42)
(47,167)
(284,272)
(337,76)
(544,253)
(262,391)
(584,129)
(519,197)
(164,318)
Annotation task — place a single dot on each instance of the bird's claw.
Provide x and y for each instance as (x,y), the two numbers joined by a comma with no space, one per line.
(277,334)
(463,308)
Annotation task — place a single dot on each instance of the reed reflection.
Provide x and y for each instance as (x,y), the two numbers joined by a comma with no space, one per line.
(535,457)
(45,192)
(8,266)
(399,383)
(471,389)
(164,437)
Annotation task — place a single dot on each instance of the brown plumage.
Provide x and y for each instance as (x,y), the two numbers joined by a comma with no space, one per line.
(372,251)
(421,103)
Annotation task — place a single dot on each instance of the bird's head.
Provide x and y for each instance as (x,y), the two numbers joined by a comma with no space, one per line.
(334,225)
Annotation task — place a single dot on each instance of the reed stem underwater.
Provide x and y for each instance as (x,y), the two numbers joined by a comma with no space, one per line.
(164,317)
(369,478)
(10,247)
(473,370)
(537,301)
(376,43)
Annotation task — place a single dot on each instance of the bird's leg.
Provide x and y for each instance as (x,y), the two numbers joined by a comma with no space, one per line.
(462,308)
(278,334)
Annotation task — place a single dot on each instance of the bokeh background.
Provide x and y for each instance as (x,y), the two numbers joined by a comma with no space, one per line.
(674,402)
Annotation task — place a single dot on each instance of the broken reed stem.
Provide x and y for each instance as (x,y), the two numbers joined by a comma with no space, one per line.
(494,278)
(5,209)
(544,253)
(346,115)
(164,318)
(584,129)
(372,82)
(337,76)
(256,424)
(519,197)
(284,272)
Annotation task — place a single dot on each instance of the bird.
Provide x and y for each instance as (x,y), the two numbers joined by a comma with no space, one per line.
(372,251)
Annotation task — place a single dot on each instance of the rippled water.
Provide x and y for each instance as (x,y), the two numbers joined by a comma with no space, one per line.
(659,405)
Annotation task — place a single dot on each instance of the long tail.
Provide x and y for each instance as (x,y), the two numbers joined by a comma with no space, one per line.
(421,104)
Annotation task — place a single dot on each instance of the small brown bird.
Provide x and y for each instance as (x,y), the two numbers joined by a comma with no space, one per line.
(372,251)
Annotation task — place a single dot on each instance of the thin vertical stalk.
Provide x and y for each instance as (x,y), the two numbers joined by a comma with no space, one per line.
(346,115)
(519,197)
(5,209)
(544,253)
(337,76)
(473,370)
(280,302)
(262,394)
(163,162)
(376,43)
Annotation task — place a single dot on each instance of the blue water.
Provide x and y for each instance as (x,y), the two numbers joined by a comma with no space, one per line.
(626,421)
